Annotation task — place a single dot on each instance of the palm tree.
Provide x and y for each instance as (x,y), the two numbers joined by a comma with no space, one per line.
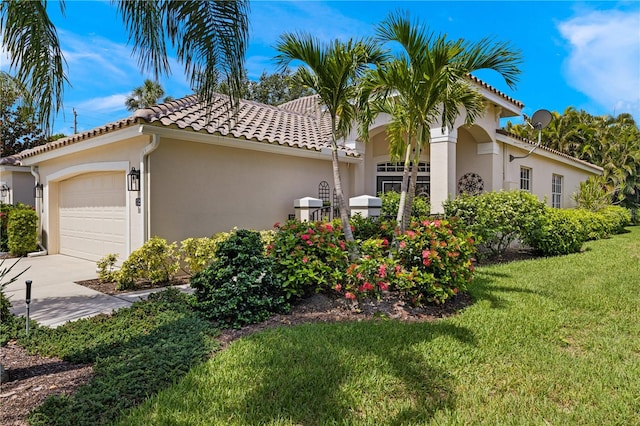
(331,71)
(209,37)
(149,94)
(428,82)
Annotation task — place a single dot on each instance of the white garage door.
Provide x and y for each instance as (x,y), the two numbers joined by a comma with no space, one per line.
(92,215)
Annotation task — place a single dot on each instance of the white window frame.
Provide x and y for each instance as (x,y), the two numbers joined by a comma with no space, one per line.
(525,181)
(556,190)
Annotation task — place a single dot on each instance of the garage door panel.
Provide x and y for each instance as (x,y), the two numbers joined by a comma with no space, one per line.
(93,215)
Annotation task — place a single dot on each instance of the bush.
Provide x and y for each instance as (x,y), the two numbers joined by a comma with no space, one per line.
(106,268)
(155,261)
(239,287)
(560,232)
(592,194)
(497,219)
(9,323)
(309,256)
(391,201)
(22,231)
(372,227)
(616,218)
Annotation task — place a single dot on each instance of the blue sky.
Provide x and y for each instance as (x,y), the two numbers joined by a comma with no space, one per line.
(581,54)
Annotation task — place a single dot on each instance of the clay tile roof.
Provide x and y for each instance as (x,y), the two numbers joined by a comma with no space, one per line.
(496,91)
(252,121)
(11,160)
(545,148)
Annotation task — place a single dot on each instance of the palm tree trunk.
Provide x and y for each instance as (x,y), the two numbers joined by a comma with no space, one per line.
(403,189)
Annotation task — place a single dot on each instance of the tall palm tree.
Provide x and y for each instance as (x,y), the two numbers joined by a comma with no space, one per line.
(209,37)
(426,83)
(331,71)
(149,94)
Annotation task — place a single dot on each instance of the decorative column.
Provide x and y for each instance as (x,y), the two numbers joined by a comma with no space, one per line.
(305,207)
(443,167)
(365,206)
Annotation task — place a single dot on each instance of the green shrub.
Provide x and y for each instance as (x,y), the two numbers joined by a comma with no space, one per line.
(592,194)
(592,224)
(560,232)
(9,323)
(106,268)
(198,253)
(497,219)
(372,227)
(239,287)
(391,201)
(616,218)
(22,231)
(155,261)
(309,256)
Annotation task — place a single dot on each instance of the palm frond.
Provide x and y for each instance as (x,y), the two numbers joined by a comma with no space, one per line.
(31,41)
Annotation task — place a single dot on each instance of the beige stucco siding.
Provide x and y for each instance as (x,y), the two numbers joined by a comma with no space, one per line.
(20,183)
(198,189)
(542,170)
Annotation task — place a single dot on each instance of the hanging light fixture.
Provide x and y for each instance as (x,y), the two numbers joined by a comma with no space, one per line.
(133,180)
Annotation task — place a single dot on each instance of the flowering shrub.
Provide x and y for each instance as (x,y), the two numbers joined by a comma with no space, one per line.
(431,262)
(434,261)
(310,256)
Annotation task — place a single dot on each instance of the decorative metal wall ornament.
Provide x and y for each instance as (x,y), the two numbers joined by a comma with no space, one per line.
(324,192)
(470,184)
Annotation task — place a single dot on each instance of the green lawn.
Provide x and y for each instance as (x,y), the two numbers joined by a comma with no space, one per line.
(548,341)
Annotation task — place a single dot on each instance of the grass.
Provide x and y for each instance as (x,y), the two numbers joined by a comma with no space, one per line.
(136,352)
(548,341)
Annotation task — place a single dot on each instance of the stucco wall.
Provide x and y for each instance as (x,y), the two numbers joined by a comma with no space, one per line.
(20,183)
(199,189)
(542,170)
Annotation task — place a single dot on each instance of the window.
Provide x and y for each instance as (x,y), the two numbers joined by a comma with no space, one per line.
(556,191)
(389,177)
(525,179)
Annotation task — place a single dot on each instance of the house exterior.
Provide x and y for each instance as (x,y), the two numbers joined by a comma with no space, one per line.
(204,170)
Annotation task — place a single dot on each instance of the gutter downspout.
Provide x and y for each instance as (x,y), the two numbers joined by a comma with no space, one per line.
(144,185)
(39,209)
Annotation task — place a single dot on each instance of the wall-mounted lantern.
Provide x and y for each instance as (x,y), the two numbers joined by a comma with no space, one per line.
(38,190)
(4,190)
(133,180)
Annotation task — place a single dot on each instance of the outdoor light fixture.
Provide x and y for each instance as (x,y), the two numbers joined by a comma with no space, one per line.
(37,190)
(4,190)
(133,180)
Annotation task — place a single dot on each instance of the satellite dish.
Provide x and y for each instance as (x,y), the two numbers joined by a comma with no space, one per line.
(541,119)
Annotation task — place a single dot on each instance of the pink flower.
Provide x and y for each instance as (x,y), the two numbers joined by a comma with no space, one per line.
(338,288)
(367,286)
(425,254)
(385,242)
(437,223)
(455,290)
(311,231)
(305,259)
(359,276)
(350,295)
(411,234)
(305,237)
(328,227)
(426,262)
(402,244)
(382,271)
(309,243)
(383,286)
(342,245)
(276,225)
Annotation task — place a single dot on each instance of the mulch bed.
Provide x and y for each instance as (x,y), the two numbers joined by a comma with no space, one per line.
(33,378)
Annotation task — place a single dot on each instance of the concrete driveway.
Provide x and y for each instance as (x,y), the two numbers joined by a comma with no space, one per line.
(55,298)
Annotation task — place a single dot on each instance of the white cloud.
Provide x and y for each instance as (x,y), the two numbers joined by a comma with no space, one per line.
(604,58)
(105,104)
